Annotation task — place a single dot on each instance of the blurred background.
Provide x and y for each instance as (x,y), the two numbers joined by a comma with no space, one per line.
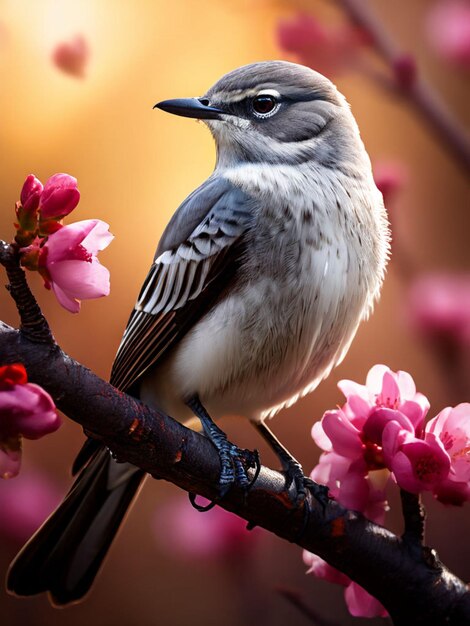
(79,79)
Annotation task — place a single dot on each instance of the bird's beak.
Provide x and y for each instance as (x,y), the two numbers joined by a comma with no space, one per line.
(191,107)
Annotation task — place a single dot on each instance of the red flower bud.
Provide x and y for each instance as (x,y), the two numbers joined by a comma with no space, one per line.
(59,198)
(26,209)
(30,193)
(405,71)
(12,375)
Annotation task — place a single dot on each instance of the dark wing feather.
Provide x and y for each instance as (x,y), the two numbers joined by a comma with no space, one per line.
(185,279)
(195,260)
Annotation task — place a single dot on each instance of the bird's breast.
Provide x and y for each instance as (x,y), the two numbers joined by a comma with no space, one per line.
(309,274)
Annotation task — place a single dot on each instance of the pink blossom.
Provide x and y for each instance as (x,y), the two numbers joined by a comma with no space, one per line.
(418,465)
(353,464)
(452,429)
(25,410)
(448,31)
(69,264)
(327,50)
(439,306)
(217,534)
(59,197)
(25,503)
(72,56)
(354,431)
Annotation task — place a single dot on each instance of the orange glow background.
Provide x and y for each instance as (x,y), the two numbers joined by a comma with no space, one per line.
(134,166)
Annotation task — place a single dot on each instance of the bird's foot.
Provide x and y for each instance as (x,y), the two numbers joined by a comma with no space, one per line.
(295,475)
(234,462)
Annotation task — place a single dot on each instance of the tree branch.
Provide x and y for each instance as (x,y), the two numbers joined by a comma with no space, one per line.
(414,588)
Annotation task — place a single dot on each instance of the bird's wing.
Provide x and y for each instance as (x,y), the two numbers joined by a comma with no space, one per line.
(195,260)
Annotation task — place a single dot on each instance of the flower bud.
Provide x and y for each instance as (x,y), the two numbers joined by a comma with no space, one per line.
(59,198)
(26,209)
(30,193)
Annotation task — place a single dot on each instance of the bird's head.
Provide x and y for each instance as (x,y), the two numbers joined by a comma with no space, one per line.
(275,112)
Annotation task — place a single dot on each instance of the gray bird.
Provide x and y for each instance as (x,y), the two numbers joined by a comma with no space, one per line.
(258,285)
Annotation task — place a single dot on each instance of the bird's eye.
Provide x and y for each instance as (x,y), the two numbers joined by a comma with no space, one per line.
(265,105)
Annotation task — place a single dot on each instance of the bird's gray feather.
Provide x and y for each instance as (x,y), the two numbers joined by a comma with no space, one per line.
(202,241)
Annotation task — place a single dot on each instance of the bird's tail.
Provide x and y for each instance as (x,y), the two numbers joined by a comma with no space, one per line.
(65,554)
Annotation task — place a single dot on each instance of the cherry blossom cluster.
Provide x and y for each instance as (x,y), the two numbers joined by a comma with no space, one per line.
(65,256)
(26,410)
(377,437)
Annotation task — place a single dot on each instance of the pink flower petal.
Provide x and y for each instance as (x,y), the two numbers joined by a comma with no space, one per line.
(10,463)
(362,604)
(81,279)
(393,436)
(330,469)
(390,390)
(343,435)
(98,238)
(321,569)
(379,418)
(354,491)
(68,302)
(451,492)
(320,438)
(62,244)
(359,407)
(375,377)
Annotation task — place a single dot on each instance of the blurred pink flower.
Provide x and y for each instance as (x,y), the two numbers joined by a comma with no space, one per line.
(59,197)
(452,429)
(25,410)
(390,177)
(25,503)
(69,264)
(448,31)
(438,305)
(327,50)
(362,604)
(72,56)
(216,534)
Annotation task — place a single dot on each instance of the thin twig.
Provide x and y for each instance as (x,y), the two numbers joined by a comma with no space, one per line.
(419,93)
(414,517)
(34,325)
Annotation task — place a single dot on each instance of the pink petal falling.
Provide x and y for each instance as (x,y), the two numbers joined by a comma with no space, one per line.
(72,56)
(69,264)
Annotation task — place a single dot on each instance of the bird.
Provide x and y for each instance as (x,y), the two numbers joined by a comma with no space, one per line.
(258,285)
